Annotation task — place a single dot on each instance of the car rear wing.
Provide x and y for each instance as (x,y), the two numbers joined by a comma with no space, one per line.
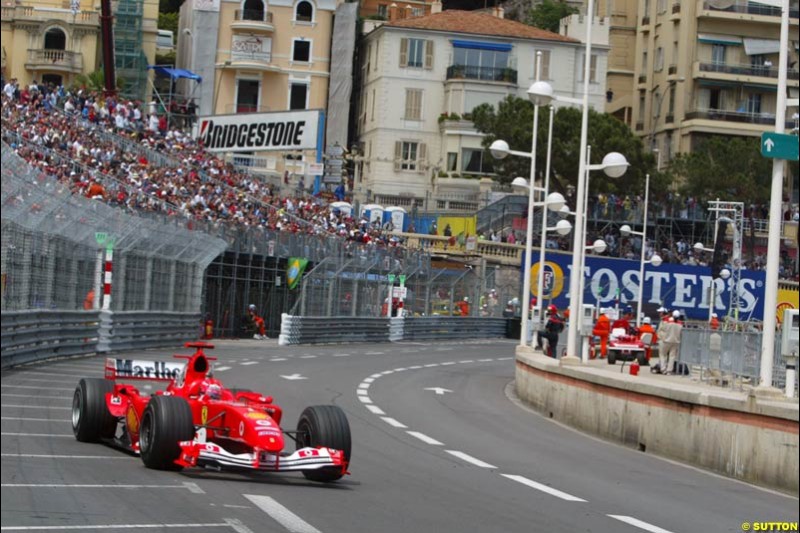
(142,369)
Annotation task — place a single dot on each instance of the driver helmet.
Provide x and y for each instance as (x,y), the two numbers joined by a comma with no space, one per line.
(213,391)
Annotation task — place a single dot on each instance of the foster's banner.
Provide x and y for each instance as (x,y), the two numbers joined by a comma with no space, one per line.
(686,288)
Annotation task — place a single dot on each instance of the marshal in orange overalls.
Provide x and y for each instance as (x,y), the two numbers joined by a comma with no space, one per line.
(602,329)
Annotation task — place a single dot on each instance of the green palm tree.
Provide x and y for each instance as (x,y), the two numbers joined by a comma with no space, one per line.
(94,81)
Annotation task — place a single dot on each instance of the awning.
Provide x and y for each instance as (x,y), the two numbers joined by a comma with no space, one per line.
(754,47)
(175,73)
(714,38)
(479,45)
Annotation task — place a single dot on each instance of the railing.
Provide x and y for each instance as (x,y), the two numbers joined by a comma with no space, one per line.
(735,116)
(747,70)
(253,15)
(345,329)
(643,78)
(640,126)
(645,21)
(500,252)
(10,13)
(43,334)
(128,330)
(673,69)
(676,7)
(752,8)
(508,75)
(55,58)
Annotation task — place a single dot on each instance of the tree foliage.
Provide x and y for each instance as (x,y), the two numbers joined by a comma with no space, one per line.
(94,81)
(548,14)
(512,121)
(726,168)
(169,21)
(169,6)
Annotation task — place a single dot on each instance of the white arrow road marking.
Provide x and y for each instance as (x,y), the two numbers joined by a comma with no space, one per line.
(292,377)
(544,488)
(281,514)
(438,390)
(769,143)
(638,523)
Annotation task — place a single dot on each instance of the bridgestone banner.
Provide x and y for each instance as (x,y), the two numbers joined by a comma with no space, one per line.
(252,132)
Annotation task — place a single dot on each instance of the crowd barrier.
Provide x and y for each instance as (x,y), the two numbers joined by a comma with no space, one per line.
(30,336)
(323,330)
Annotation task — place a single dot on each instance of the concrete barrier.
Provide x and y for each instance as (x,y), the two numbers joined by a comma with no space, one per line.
(732,433)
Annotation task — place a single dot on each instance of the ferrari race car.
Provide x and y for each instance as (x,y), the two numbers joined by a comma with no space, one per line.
(624,347)
(197,422)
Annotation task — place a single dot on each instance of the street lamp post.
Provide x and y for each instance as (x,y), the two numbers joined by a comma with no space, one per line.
(724,274)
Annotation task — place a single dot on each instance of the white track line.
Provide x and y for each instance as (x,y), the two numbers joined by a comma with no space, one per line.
(374,409)
(281,514)
(424,438)
(227,524)
(248,363)
(544,488)
(42,435)
(279,359)
(638,523)
(36,387)
(36,407)
(362,392)
(24,419)
(392,422)
(191,487)
(65,397)
(468,458)
(365,399)
(40,456)
(222,368)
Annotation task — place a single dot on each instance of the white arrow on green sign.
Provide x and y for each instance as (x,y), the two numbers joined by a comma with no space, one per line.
(779,146)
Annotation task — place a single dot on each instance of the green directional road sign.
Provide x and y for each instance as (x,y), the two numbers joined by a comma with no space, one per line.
(779,146)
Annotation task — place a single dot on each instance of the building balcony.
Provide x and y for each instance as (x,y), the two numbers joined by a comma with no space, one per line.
(676,7)
(673,69)
(747,11)
(463,72)
(55,60)
(250,60)
(645,21)
(643,78)
(640,126)
(22,13)
(740,117)
(743,73)
(253,20)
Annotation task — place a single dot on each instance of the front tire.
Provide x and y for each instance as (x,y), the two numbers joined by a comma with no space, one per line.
(91,420)
(612,357)
(324,425)
(167,420)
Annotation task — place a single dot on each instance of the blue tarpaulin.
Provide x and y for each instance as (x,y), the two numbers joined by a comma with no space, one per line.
(175,73)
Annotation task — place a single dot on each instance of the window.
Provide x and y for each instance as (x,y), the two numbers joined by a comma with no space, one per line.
(413,104)
(409,155)
(417,11)
(247,92)
(372,109)
(452,161)
(298,96)
(661,6)
(644,60)
(646,11)
(304,11)
(754,103)
(671,108)
(383,11)
(641,103)
(659,60)
(475,161)
(253,10)
(592,69)
(483,59)
(718,54)
(416,53)
(55,39)
(302,51)
(545,72)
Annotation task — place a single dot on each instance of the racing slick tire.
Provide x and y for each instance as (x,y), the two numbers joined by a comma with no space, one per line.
(324,425)
(167,420)
(612,357)
(91,420)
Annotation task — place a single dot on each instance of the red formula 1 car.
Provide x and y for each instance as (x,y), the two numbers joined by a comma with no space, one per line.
(197,422)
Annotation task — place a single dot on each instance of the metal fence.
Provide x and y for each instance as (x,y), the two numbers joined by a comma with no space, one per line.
(52,255)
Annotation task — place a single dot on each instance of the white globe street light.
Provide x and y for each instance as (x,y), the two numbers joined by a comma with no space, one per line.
(499,149)
(599,246)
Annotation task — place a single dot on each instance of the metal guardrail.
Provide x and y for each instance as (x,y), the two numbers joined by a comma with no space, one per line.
(320,330)
(35,335)
(129,330)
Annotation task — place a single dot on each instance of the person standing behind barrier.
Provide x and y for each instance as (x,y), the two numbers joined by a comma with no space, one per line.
(647,327)
(552,329)
(88,302)
(714,322)
(671,342)
(258,322)
(602,329)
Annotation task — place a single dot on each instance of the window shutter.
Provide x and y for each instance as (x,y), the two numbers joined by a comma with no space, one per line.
(428,54)
(422,157)
(409,103)
(398,155)
(403,52)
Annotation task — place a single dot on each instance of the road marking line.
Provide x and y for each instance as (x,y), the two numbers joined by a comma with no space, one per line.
(281,514)
(364,399)
(192,487)
(392,422)
(485,360)
(431,365)
(36,387)
(505,358)
(40,456)
(374,353)
(34,419)
(400,369)
(362,392)
(374,409)
(448,363)
(37,380)
(415,367)
(237,525)
(308,357)
(36,407)
(248,363)
(544,488)
(279,359)
(341,355)
(468,458)
(466,361)
(387,372)
(638,523)
(376,376)
(368,380)
(222,368)
(424,438)
(363,385)
(36,396)
(227,524)
(44,435)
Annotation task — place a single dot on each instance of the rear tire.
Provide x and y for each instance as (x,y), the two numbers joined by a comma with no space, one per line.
(91,420)
(167,420)
(324,425)
(642,358)
(612,357)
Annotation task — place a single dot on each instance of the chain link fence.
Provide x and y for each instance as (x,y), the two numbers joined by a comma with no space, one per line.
(53,243)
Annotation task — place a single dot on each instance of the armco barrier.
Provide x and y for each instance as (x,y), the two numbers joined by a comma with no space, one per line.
(131,330)
(319,330)
(29,336)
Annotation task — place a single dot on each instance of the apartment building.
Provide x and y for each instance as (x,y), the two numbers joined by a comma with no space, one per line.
(622,18)
(708,67)
(422,77)
(380,9)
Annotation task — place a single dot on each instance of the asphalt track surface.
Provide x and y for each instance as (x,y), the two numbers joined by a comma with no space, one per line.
(440,444)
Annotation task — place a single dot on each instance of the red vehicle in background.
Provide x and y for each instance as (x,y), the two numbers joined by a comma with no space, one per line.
(198,422)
